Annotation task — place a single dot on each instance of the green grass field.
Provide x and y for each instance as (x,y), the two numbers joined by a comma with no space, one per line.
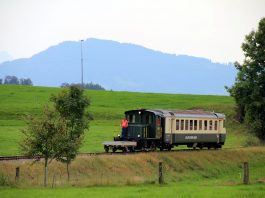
(107,108)
(188,174)
(142,191)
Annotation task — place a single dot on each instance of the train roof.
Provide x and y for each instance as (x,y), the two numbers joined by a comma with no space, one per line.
(183,113)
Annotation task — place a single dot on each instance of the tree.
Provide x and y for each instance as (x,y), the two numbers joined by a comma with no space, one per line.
(11,80)
(25,81)
(1,81)
(41,136)
(71,105)
(91,85)
(249,87)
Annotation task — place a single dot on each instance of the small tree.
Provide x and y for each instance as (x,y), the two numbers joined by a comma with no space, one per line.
(41,136)
(71,104)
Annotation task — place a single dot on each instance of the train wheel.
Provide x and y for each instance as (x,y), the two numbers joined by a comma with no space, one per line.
(114,149)
(153,146)
(131,149)
(106,149)
(125,150)
(169,148)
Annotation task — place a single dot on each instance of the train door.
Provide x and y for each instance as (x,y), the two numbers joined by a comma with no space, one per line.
(168,129)
(159,127)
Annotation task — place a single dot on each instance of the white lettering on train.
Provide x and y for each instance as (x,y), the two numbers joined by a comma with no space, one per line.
(191,137)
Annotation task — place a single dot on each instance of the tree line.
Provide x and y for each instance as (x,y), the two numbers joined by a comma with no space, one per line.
(91,85)
(13,80)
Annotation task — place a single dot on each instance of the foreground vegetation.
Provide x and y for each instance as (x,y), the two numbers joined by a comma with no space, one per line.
(174,190)
(222,167)
(186,173)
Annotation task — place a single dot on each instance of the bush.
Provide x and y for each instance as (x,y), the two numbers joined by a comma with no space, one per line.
(4,181)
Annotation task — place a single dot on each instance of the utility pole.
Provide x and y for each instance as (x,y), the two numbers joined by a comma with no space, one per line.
(82,69)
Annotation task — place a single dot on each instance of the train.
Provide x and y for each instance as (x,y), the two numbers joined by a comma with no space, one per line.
(151,129)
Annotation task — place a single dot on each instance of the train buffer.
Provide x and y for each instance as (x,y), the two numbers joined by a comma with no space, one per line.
(124,146)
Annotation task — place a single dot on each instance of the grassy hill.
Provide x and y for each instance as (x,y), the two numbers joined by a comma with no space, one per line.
(107,108)
(187,174)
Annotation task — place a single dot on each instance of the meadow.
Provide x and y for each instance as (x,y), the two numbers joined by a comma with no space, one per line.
(187,173)
(107,108)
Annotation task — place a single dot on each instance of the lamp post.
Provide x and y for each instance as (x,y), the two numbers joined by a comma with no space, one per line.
(82,82)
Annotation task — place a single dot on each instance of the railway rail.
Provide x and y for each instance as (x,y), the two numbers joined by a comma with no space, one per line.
(20,157)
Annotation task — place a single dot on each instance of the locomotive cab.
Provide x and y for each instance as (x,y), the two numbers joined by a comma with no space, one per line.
(145,128)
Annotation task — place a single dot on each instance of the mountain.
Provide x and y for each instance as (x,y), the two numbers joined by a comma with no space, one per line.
(122,66)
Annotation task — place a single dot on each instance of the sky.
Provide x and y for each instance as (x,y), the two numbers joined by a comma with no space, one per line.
(214,29)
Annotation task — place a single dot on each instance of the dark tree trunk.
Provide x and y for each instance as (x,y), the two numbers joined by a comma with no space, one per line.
(68,173)
(45,172)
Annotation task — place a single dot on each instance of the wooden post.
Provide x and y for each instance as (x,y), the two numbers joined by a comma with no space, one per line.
(17,173)
(53,181)
(160,173)
(246,173)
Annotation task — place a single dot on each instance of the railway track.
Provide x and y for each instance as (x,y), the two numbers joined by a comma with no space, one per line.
(20,157)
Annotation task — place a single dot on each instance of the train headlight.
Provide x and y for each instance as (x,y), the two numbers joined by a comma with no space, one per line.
(138,136)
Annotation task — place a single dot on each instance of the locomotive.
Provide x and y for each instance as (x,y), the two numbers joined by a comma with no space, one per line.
(151,129)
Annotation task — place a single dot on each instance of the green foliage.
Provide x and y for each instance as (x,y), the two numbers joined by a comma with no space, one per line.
(249,88)
(91,85)
(4,181)
(14,80)
(71,105)
(42,135)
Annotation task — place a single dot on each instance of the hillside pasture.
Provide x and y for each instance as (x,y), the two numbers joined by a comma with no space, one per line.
(107,108)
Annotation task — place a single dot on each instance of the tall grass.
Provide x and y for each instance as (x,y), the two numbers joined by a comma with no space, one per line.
(218,167)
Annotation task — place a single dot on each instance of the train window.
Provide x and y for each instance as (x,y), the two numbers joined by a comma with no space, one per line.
(186,124)
(147,119)
(182,125)
(191,124)
(195,124)
(210,125)
(150,119)
(177,124)
(130,118)
(200,124)
(215,125)
(205,125)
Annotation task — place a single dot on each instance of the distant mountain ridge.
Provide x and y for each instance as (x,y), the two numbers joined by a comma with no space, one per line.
(122,66)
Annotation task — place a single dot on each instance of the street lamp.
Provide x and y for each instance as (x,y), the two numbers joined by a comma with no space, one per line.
(82,83)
